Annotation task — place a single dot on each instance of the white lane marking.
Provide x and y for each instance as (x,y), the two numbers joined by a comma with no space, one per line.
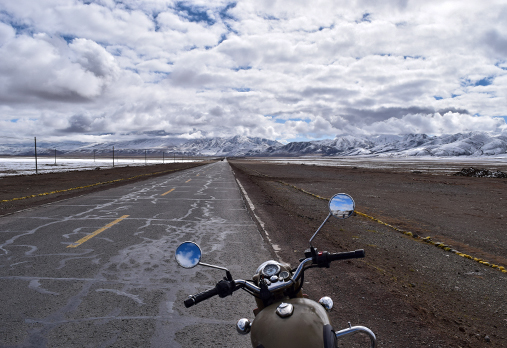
(275,247)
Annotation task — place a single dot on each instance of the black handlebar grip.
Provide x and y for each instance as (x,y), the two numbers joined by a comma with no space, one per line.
(195,299)
(347,255)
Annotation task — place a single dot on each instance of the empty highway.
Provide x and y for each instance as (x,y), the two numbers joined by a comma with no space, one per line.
(99,271)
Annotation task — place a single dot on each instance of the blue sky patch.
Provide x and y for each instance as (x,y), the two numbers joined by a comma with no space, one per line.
(115,51)
(466,82)
(485,81)
(437,98)
(164,73)
(270,18)
(21,29)
(242,89)
(499,65)
(68,38)
(414,57)
(242,68)
(282,121)
(224,14)
(193,13)
(366,17)
(223,37)
(199,14)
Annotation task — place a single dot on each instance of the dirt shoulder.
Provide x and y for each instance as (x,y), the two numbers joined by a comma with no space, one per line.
(410,293)
(13,189)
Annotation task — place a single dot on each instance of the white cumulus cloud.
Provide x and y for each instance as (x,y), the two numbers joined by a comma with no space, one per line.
(277,69)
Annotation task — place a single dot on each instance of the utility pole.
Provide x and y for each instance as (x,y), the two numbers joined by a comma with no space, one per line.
(35,138)
(144,157)
(94,155)
(113,156)
(55,156)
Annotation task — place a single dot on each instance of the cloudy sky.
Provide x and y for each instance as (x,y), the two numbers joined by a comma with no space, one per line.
(285,70)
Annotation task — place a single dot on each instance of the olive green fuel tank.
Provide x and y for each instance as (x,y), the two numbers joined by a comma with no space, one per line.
(304,328)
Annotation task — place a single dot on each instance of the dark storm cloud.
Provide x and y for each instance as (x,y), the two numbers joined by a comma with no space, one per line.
(78,124)
(496,42)
(453,110)
(368,116)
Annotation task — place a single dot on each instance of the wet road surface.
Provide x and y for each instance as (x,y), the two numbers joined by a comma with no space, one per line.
(99,270)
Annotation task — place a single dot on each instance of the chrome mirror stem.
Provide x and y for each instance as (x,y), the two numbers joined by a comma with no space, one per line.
(322,225)
(213,266)
(227,273)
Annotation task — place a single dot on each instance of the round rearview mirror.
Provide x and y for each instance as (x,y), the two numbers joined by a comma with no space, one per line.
(341,206)
(188,254)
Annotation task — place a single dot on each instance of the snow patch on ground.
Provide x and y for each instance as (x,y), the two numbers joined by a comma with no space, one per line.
(26,166)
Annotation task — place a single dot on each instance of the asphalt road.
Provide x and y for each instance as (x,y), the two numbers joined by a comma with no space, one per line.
(99,270)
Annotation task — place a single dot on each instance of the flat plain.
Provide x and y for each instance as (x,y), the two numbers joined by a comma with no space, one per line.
(411,290)
(408,291)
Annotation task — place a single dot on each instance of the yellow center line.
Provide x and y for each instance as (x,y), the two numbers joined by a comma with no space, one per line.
(187,180)
(84,239)
(171,190)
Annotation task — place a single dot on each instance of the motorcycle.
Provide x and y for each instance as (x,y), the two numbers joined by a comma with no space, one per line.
(284,317)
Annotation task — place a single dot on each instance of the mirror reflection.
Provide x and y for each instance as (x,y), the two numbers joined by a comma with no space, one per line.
(341,206)
(188,254)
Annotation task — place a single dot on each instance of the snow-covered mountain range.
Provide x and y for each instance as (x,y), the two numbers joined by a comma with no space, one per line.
(461,144)
(233,146)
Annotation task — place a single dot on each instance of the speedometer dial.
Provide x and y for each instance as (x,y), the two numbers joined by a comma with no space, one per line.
(284,275)
(270,269)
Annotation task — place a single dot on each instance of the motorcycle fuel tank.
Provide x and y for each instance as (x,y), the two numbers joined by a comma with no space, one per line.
(302,328)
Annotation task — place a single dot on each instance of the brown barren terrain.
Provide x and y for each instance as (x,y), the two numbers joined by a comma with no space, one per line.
(409,292)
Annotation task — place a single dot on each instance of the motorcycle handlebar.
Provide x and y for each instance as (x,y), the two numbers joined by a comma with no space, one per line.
(195,299)
(324,258)
(356,254)
(225,288)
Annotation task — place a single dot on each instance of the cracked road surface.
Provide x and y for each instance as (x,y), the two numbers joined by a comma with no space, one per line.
(99,271)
